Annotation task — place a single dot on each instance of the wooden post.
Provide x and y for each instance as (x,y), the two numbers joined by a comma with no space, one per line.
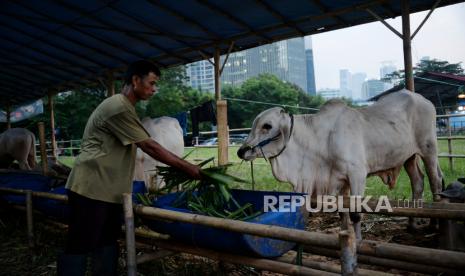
(223,135)
(409,84)
(221,115)
(52,126)
(449,144)
(130,236)
(110,85)
(30,228)
(348,252)
(8,117)
(43,150)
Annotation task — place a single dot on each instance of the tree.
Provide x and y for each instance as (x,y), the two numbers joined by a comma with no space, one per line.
(264,88)
(174,95)
(434,65)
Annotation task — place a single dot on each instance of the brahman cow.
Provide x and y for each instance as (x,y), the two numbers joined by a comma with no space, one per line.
(332,152)
(17,144)
(168,133)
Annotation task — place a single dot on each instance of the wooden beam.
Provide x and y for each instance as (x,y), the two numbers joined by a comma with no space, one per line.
(67,37)
(408,66)
(281,17)
(425,19)
(130,236)
(44,40)
(325,9)
(134,36)
(52,126)
(215,8)
(380,19)
(43,149)
(159,5)
(260,263)
(8,116)
(174,37)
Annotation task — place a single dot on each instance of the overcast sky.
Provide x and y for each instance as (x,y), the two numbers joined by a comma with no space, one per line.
(362,48)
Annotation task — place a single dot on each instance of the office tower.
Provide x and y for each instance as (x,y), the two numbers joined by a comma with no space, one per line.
(372,88)
(201,75)
(284,59)
(356,85)
(311,87)
(345,80)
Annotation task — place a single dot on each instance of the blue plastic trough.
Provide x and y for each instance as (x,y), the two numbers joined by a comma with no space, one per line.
(39,183)
(223,240)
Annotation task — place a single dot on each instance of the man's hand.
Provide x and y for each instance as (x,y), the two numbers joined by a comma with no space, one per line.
(156,151)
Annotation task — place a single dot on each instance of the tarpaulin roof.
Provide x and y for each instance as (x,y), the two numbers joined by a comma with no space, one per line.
(55,45)
(440,88)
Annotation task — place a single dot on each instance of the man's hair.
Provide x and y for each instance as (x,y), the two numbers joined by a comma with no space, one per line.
(140,68)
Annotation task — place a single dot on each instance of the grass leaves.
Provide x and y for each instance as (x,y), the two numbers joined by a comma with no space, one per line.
(209,196)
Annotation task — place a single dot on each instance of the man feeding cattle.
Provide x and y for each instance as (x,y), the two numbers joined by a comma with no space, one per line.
(104,170)
(332,152)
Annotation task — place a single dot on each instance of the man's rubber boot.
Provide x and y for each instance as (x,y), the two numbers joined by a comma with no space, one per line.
(105,261)
(72,265)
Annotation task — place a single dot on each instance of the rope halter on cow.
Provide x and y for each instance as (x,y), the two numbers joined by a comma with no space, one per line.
(265,142)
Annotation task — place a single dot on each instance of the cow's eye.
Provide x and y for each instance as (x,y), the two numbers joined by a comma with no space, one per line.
(267,126)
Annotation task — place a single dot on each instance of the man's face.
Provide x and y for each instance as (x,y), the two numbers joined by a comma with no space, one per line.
(145,87)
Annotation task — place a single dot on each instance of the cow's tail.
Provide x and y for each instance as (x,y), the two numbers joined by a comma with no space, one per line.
(442,178)
(31,158)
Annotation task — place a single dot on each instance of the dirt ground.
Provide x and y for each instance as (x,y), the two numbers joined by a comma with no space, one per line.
(17,259)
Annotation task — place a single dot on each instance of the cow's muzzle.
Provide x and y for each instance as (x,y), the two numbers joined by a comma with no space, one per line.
(242,150)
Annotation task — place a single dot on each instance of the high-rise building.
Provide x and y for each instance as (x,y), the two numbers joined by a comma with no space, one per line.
(356,85)
(329,93)
(371,88)
(201,75)
(284,59)
(311,87)
(345,83)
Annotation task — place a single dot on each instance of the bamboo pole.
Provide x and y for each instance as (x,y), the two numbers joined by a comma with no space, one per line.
(43,150)
(221,114)
(410,253)
(348,252)
(389,263)
(264,264)
(30,224)
(407,42)
(8,117)
(110,84)
(63,198)
(277,232)
(326,266)
(223,135)
(130,236)
(52,126)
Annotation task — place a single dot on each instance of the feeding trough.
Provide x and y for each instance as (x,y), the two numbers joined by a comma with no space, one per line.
(233,242)
(40,183)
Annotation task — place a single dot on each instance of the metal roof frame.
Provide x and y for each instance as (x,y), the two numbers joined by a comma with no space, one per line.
(53,45)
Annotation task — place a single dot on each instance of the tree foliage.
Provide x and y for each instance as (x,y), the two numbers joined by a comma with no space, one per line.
(434,65)
(268,89)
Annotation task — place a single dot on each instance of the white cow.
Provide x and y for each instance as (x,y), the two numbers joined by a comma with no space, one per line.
(333,151)
(168,133)
(17,144)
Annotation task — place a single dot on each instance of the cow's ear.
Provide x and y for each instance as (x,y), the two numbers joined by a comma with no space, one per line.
(283,111)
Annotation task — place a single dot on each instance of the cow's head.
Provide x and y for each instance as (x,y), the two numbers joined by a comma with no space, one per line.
(269,135)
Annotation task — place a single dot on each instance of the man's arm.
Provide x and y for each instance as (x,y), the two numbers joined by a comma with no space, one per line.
(156,151)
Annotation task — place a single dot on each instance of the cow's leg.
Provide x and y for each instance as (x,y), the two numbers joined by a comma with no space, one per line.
(23,165)
(416,181)
(357,188)
(435,180)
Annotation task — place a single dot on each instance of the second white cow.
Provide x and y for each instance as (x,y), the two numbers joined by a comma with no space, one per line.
(17,144)
(168,133)
(332,152)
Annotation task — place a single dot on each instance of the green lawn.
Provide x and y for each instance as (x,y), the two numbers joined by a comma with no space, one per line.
(375,187)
